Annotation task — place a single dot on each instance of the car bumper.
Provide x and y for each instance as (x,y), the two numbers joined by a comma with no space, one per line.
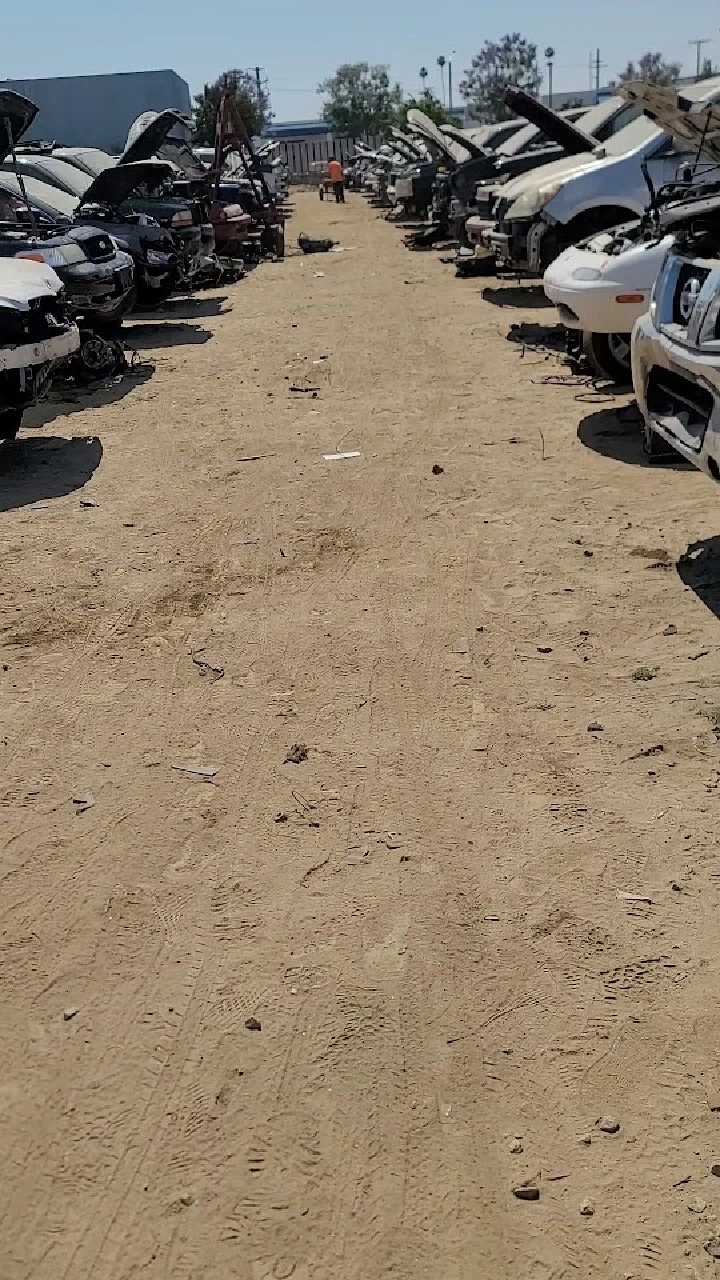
(37,353)
(478,230)
(592,305)
(683,409)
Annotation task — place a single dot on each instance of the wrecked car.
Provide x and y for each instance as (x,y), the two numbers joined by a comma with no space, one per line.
(37,334)
(541,214)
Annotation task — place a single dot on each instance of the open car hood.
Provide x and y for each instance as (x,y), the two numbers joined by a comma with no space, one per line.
(696,125)
(148,134)
(458,136)
(423,125)
(115,185)
(408,143)
(552,125)
(19,113)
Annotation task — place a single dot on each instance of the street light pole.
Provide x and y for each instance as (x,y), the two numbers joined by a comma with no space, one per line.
(549,55)
(441,63)
(450,82)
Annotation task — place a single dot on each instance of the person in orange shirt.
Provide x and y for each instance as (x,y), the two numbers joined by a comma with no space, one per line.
(335,170)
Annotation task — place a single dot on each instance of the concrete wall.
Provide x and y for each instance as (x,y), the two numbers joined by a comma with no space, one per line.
(97,111)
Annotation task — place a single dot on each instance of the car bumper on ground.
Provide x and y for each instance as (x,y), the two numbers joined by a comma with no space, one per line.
(592,305)
(38,353)
(677,390)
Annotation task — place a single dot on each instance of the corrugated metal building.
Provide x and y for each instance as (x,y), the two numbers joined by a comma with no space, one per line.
(97,111)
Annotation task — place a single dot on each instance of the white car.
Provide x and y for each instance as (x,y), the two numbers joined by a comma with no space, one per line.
(601,287)
(36,334)
(543,213)
(676,344)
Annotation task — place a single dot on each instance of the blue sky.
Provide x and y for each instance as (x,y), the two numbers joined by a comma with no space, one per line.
(299,42)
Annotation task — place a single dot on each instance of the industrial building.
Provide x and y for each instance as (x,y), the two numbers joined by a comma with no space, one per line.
(97,111)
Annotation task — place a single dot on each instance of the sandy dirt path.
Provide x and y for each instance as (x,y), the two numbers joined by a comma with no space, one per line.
(480,915)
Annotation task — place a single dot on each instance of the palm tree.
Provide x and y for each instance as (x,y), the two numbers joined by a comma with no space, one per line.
(441,63)
(424,73)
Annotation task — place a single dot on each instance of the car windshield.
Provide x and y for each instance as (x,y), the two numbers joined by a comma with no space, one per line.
(42,195)
(76,181)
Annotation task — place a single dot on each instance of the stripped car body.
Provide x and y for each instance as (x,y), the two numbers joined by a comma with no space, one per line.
(36,334)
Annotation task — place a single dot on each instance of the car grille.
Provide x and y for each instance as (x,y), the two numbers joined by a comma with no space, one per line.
(46,318)
(682,405)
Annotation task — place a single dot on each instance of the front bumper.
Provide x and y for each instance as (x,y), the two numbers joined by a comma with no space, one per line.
(678,391)
(40,353)
(99,288)
(477,230)
(592,305)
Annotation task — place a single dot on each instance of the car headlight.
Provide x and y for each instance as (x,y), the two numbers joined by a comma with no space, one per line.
(708,330)
(656,291)
(50,255)
(532,201)
(586,273)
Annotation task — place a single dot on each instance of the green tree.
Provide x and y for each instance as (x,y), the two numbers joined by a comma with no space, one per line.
(427,102)
(360,100)
(252,106)
(651,67)
(510,61)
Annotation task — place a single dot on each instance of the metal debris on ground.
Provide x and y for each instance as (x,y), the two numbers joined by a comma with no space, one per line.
(196,770)
(207,668)
(84,801)
(313,244)
(340,457)
(297,754)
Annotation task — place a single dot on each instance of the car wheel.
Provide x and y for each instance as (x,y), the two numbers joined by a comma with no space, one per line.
(608,355)
(10,422)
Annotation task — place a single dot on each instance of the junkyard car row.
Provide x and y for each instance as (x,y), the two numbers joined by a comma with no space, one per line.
(85,237)
(617,208)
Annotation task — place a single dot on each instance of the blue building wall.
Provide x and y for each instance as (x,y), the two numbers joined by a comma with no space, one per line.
(97,111)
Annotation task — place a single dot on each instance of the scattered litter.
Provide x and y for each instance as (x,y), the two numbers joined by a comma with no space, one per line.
(313,244)
(670,630)
(297,754)
(715,1170)
(88,502)
(252,1024)
(648,751)
(198,771)
(69,1014)
(319,275)
(712,1247)
(697,1205)
(682,1182)
(256,457)
(84,801)
(516,1148)
(645,673)
(586,1209)
(544,648)
(633,897)
(586,1139)
(207,668)
(595,727)
(305,390)
(526,1193)
(492,919)
(280,817)
(340,457)
(438,470)
(608,1124)
(693,657)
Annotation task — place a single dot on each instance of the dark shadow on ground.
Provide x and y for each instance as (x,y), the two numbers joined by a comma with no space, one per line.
(551,337)
(144,335)
(183,309)
(617,433)
(67,398)
(699,569)
(520,295)
(44,467)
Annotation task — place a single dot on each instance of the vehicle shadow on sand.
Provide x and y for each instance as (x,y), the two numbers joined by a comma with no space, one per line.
(66,399)
(617,433)
(145,335)
(548,337)
(45,467)
(181,309)
(531,296)
(699,569)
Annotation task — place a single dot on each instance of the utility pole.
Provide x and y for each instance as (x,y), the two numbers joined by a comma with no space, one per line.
(550,54)
(698,47)
(450,87)
(598,65)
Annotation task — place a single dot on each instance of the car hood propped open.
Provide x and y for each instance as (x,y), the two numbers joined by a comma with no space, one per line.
(553,126)
(151,132)
(115,185)
(423,125)
(462,139)
(691,123)
(18,113)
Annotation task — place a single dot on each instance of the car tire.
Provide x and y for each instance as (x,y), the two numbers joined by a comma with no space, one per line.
(10,423)
(608,355)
